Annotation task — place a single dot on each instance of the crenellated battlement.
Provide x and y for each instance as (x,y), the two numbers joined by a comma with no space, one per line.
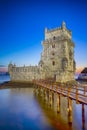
(57,59)
(58,32)
(24,68)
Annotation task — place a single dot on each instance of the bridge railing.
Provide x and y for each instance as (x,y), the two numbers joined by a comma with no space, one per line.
(72,91)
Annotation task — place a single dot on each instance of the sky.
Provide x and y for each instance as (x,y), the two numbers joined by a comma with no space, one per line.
(22,24)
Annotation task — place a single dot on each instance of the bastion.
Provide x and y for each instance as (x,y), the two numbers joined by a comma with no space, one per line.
(56,62)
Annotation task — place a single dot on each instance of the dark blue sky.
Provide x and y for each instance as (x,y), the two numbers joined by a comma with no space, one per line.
(22,24)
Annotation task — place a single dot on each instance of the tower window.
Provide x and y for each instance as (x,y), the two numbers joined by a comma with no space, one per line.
(53,63)
(53,45)
(53,53)
(54,38)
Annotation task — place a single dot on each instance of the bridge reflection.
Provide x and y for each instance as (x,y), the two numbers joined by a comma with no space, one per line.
(64,103)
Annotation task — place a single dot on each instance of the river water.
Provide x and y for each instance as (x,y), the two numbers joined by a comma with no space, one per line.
(4,78)
(20,109)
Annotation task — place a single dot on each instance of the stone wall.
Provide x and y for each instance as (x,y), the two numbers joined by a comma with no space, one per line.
(26,73)
(57,59)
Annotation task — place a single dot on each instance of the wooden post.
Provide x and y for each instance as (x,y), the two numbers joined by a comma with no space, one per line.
(56,88)
(35,87)
(42,92)
(76,94)
(69,111)
(39,91)
(61,89)
(45,95)
(58,103)
(52,86)
(64,87)
(48,95)
(84,90)
(83,117)
(68,91)
(50,99)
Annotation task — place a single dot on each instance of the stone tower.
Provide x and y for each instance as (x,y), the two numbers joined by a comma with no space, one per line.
(57,59)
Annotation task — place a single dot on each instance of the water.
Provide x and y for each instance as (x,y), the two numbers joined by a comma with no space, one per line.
(4,78)
(20,109)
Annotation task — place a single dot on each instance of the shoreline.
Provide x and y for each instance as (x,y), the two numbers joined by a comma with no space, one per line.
(24,84)
(12,84)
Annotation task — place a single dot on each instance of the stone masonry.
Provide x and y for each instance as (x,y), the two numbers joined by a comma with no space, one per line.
(57,59)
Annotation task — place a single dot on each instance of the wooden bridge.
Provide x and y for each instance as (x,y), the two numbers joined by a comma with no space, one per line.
(73,91)
(48,88)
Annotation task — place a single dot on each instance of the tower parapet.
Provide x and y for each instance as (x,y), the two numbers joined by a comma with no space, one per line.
(57,59)
(58,54)
(58,32)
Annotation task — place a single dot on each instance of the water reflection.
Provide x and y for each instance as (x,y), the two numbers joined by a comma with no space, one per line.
(4,78)
(61,117)
(19,110)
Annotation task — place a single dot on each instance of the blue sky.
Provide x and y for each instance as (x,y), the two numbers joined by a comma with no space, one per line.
(22,24)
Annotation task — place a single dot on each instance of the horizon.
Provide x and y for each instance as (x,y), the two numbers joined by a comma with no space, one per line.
(22,29)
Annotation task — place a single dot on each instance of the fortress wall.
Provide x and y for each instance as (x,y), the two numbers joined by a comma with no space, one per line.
(57,59)
(24,73)
(52,34)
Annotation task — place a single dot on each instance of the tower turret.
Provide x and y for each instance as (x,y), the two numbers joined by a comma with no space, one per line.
(63,25)
(58,54)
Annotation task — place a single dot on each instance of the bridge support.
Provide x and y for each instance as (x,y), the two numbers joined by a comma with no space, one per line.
(50,98)
(83,117)
(47,91)
(39,91)
(58,103)
(45,95)
(77,102)
(35,89)
(84,90)
(69,110)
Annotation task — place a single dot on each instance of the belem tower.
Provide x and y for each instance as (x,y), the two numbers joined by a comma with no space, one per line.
(57,59)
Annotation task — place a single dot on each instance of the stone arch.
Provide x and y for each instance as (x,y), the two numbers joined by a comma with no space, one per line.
(53,63)
(54,38)
(70,54)
(64,63)
(52,53)
(53,45)
(41,63)
(74,65)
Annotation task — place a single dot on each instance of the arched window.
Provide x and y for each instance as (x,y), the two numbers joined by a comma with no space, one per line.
(53,63)
(70,54)
(53,53)
(53,45)
(41,63)
(74,66)
(54,38)
(64,63)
